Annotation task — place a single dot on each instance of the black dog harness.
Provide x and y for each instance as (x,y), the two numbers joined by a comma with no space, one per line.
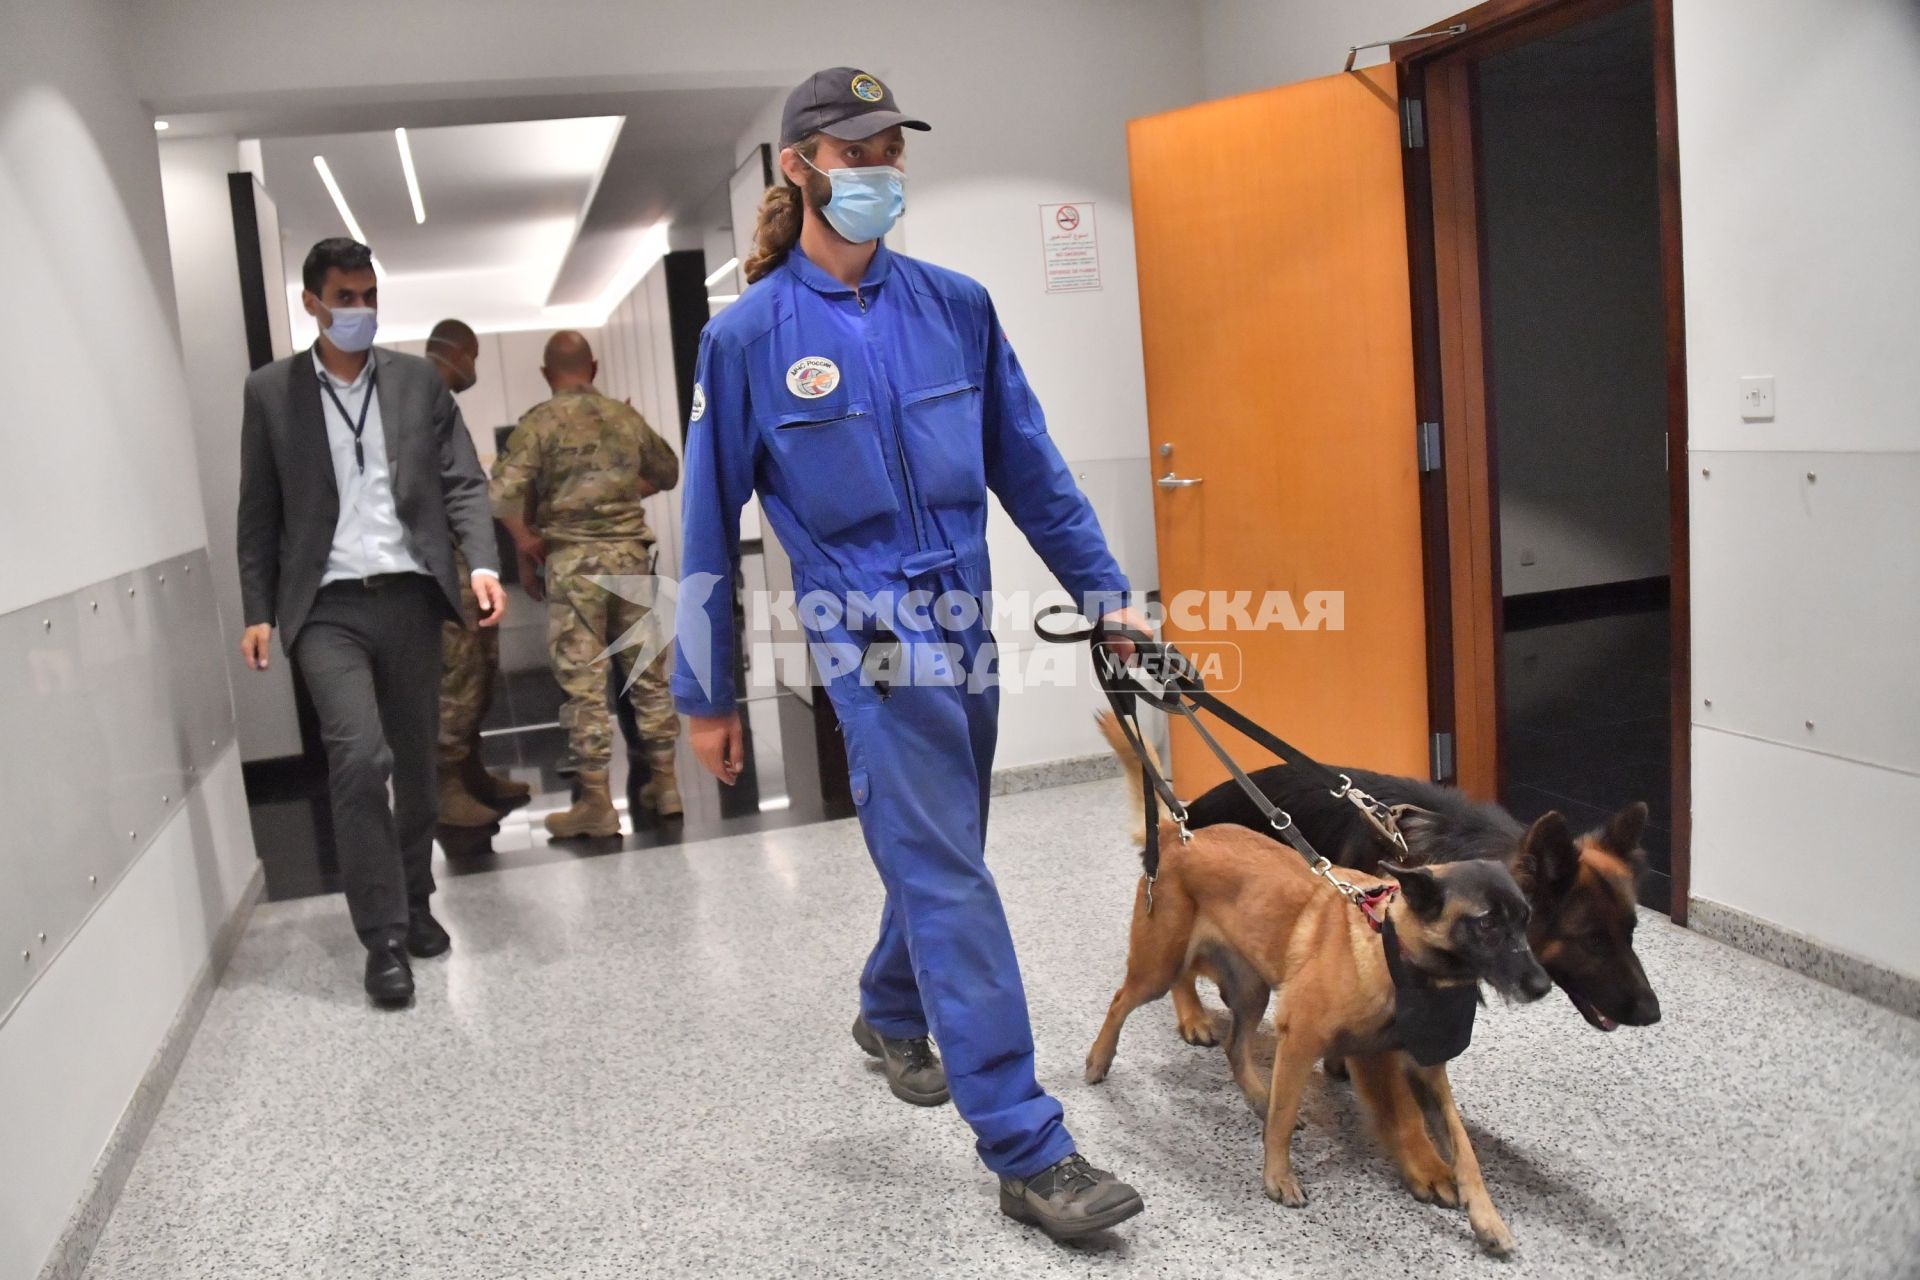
(1432,1023)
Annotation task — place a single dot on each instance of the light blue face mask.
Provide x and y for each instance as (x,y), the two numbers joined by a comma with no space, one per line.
(866,201)
(353,328)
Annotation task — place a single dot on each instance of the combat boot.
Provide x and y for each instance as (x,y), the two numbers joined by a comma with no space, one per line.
(458,807)
(492,788)
(662,792)
(592,814)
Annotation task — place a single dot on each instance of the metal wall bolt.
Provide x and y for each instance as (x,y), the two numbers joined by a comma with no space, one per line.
(163,800)
(1809,724)
(1709,702)
(163,579)
(93,879)
(1706,471)
(43,937)
(133,835)
(26,955)
(129,591)
(46,624)
(96,606)
(1811,477)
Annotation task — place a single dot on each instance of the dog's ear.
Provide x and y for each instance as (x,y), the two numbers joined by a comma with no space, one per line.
(1623,831)
(1548,857)
(1420,887)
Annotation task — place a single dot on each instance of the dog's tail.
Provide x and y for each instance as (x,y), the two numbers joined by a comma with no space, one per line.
(1129,766)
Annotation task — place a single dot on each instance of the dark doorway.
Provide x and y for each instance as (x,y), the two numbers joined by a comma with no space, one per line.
(1576,380)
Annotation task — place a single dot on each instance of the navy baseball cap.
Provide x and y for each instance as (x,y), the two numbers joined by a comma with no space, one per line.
(845,102)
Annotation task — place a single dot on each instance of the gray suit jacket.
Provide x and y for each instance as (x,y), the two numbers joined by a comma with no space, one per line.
(289,503)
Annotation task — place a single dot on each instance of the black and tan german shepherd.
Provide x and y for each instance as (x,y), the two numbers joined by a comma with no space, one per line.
(1581,888)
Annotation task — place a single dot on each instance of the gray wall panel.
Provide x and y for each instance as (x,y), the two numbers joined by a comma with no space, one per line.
(113,703)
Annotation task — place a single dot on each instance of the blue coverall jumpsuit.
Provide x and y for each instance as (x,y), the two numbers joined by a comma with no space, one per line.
(874,473)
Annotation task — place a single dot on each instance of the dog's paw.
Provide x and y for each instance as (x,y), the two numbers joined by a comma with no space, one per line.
(1434,1186)
(1199,1032)
(1285,1188)
(1494,1237)
(1096,1071)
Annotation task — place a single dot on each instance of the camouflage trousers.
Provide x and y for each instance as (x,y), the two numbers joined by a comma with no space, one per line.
(583,618)
(469,659)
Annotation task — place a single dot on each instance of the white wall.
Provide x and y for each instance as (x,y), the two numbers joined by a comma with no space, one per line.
(1800,171)
(213,329)
(101,480)
(1257,44)
(1800,174)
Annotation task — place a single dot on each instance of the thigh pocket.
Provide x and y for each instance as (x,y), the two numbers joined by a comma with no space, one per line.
(942,426)
(836,468)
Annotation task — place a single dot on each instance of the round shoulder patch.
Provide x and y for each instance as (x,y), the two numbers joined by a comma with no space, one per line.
(699,402)
(867,89)
(811,377)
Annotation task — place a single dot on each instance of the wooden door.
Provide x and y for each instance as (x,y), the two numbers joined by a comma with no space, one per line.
(1272,244)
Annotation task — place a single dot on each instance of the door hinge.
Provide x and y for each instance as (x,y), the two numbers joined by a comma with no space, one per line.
(1429,446)
(1442,753)
(1413,123)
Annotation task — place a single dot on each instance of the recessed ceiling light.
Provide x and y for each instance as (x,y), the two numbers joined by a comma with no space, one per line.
(161,126)
(720,274)
(413,179)
(339,201)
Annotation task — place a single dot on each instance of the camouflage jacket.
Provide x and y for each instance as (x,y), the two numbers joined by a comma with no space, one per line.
(583,457)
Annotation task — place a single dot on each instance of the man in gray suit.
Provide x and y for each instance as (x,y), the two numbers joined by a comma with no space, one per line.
(356,477)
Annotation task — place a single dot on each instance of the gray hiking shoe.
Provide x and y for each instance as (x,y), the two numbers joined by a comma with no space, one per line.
(913,1072)
(1069,1199)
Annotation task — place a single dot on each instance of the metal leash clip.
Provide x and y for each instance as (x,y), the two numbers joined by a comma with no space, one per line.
(1346,888)
(1373,810)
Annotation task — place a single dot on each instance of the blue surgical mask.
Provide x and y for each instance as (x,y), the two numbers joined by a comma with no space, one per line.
(353,328)
(866,201)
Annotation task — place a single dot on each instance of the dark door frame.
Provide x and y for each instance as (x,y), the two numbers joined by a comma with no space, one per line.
(1445,244)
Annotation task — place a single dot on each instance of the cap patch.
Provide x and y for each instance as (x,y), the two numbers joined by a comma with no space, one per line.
(867,89)
(811,377)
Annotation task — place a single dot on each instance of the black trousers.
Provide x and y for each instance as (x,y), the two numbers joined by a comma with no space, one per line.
(370,655)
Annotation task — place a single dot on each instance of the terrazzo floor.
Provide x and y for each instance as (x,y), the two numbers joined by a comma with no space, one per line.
(639,1065)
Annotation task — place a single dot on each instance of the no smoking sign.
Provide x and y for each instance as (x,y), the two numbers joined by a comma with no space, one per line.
(1069,248)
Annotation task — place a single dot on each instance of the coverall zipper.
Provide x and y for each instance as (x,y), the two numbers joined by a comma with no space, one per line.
(900,448)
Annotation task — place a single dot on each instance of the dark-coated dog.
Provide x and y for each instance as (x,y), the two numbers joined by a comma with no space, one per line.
(1581,888)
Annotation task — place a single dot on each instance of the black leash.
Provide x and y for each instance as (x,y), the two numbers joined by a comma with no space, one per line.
(1182,692)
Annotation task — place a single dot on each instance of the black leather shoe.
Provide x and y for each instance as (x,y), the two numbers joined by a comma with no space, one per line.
(425,937)
(389,976)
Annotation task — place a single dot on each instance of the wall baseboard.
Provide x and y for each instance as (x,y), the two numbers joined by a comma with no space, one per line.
(1054,773)
(1840,969)
(82,1232)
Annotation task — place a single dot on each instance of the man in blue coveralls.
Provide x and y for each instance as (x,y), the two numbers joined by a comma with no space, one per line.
(872,400)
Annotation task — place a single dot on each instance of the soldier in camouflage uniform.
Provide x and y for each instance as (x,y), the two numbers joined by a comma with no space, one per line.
(470,795)
(589,461)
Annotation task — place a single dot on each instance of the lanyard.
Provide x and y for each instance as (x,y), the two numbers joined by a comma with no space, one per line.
(326,385)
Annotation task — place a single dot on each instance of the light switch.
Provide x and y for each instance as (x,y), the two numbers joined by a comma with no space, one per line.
(1526,555)
(1756,399)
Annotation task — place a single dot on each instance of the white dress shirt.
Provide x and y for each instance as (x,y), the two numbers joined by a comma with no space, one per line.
(369,537)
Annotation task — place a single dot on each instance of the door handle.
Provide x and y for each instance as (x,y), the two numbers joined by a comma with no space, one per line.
(1172,481)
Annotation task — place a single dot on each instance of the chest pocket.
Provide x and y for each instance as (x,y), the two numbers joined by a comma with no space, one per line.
(942,428)
(837,473)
